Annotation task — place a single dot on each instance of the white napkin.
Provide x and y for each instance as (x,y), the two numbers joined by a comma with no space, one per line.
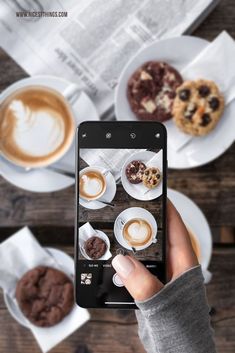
(216,63)
(85,232)
(155,161)
(111,159)
(20,253)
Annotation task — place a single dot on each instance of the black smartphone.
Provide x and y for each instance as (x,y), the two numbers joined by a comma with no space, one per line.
(120,207)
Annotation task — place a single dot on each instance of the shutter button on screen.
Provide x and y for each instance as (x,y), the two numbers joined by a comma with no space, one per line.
(117,280)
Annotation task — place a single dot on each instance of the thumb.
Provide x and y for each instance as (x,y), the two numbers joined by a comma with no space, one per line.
(139,282)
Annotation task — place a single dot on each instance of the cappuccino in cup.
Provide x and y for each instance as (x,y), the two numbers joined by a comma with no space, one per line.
(92,184)
(36,126)
(137,232)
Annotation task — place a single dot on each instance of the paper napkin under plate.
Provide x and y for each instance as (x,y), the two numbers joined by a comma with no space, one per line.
(85,232)
(216,63)
(19,254)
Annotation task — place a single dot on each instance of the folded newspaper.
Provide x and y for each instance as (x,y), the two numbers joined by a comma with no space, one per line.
(89,41)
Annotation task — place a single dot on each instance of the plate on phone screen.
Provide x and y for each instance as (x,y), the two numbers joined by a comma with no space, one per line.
(139,191)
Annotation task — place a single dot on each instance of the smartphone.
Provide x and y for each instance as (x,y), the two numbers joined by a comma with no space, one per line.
(120,207)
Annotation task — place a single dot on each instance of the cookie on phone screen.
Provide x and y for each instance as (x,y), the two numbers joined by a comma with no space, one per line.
(151,177)
(135,171)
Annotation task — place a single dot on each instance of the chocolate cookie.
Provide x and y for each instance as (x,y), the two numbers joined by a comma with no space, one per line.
(135,171)
(45,296)
(198,107)
(151,177)
(95,247)
(152,89)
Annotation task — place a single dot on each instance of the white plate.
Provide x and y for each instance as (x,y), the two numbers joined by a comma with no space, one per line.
(43,180)
(126,215)
(139,191)
(101,235)
(109,194)
(196,223)
(67,265)
(178,52)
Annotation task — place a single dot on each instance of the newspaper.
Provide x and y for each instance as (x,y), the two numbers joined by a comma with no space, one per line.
(108,158)
(97,38)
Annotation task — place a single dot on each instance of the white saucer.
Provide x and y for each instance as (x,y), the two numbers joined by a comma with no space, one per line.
(108,196)
(126,215)
(196,222)
(67,265)
(178,52)
(103,236)
(139,191)
(43,180)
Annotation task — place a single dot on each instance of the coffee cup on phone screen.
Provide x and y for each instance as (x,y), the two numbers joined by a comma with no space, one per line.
(138,228)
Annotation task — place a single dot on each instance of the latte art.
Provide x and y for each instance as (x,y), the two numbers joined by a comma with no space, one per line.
(36,126)
(36,132)
(91,185)
(137,232)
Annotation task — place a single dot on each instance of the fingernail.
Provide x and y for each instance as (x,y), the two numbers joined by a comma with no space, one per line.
(123,265)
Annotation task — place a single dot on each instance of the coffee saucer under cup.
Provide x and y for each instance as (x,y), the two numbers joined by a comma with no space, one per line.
(133,213)
(42,179)
(107,196)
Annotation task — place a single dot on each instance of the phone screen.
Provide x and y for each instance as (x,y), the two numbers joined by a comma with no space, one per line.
(121,193)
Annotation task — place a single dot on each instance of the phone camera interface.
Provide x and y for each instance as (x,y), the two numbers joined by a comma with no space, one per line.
(132,135)
(108,135)
(120,212)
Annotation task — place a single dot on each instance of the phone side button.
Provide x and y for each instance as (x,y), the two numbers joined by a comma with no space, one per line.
(117,280)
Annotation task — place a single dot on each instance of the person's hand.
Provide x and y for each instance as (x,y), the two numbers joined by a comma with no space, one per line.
(180,257)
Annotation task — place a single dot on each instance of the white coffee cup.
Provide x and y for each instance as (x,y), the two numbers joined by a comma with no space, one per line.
(41,137)
(138,220)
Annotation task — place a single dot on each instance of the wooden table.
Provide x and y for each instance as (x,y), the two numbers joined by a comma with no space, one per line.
(51,218)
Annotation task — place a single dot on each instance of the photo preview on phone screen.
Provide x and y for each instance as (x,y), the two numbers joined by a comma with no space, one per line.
(120,212)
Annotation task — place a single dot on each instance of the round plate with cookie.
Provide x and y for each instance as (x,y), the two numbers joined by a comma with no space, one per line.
(67,266)
(141,175)
(151,87)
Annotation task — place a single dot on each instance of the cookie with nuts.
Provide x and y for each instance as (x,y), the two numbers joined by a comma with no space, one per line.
(152,89)
(197,107)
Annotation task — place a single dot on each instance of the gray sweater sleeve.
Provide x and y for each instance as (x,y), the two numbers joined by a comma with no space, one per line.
(176,319)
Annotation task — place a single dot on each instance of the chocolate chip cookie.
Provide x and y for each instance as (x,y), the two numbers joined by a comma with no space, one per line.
(152,89)
(135,171)
(95,247)
(45,296)
(197,107)
(151,177)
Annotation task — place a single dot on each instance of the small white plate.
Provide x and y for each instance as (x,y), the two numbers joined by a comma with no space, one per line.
(139,191)
(126,215)
(196,222)
(101,235)
(67,265)
(45,180)
(178,52)
(108,196)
